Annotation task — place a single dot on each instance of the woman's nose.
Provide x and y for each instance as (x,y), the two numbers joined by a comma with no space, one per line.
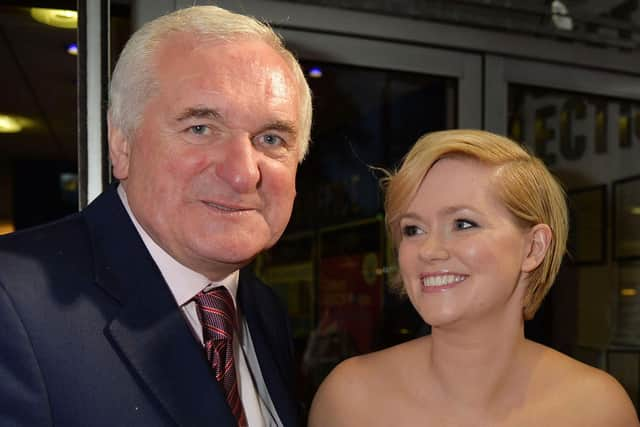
(433,248)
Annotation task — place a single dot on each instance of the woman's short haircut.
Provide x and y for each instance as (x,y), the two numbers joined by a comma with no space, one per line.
(133,82)
(523,183)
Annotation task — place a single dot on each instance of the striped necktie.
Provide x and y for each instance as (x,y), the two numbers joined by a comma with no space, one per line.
(218,317)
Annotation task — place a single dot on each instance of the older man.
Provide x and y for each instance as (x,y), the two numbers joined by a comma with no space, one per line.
(134,312)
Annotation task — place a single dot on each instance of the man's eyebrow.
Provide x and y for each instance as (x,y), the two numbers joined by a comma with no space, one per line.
(198,113)
(282,126)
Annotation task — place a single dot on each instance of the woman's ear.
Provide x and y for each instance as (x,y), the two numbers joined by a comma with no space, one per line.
(538,243)
(118,152)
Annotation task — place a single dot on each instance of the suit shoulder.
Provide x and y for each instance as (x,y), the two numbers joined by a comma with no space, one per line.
(248,276)
(42,253)
(24,395)
(263,292)
(54,233)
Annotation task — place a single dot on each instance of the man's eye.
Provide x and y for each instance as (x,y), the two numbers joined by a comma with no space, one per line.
(411,230)
(464,224)
(271,140)
(199,129)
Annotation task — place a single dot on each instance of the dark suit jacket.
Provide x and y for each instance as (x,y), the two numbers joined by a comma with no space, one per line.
(90,334)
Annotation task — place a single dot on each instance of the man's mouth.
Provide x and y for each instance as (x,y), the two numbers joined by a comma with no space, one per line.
(226,208)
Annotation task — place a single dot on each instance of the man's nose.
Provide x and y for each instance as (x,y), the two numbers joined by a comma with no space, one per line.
(434,247)
(239,166)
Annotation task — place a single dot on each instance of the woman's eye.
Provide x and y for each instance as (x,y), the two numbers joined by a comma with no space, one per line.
(464,224)
(199,129)
(411,230)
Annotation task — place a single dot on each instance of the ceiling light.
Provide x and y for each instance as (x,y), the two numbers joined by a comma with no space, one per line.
(560,16)
(9,124)
(56,17)
(72,49)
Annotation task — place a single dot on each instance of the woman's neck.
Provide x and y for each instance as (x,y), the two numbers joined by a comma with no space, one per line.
(481,365)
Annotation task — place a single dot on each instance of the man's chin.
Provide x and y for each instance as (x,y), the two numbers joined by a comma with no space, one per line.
(229,261)
(229,250)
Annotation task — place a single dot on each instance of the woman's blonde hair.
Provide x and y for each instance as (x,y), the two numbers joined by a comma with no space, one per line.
(524,184)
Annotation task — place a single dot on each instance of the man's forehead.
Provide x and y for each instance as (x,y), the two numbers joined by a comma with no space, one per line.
(249,51)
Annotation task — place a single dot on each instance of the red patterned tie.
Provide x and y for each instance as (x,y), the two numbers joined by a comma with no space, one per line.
(218,317)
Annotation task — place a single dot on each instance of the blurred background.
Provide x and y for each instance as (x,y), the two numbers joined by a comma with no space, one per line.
(562,78)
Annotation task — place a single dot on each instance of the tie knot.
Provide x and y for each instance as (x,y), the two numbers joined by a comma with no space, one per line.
(217,313)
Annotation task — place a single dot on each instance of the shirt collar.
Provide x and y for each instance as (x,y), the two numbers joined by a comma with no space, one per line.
(183,282)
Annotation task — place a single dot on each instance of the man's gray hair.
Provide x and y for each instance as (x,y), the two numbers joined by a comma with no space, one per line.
(133,82)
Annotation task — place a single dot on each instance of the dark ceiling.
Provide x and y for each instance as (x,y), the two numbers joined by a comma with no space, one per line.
(39,82)
(39,79)
(605,23)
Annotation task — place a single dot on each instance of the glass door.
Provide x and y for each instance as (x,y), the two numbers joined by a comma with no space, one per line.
(585,125)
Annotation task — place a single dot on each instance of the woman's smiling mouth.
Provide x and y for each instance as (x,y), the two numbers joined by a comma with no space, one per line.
(440,281)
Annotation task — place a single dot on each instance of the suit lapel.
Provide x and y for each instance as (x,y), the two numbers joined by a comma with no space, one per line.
(150,333)
(269,340)
(153,339)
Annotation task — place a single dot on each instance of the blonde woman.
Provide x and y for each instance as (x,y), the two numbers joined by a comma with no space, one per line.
(480,228)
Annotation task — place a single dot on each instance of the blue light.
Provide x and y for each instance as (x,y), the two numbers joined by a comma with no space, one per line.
(72,49)
(315,72)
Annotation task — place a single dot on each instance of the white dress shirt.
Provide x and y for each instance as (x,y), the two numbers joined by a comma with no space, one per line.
(185,284)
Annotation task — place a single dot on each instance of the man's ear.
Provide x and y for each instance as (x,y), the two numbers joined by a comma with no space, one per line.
(539,241)
(119,150)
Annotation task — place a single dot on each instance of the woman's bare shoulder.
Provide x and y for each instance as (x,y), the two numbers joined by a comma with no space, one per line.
(348,394)
(364,370)
(606,400)
(589,393)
